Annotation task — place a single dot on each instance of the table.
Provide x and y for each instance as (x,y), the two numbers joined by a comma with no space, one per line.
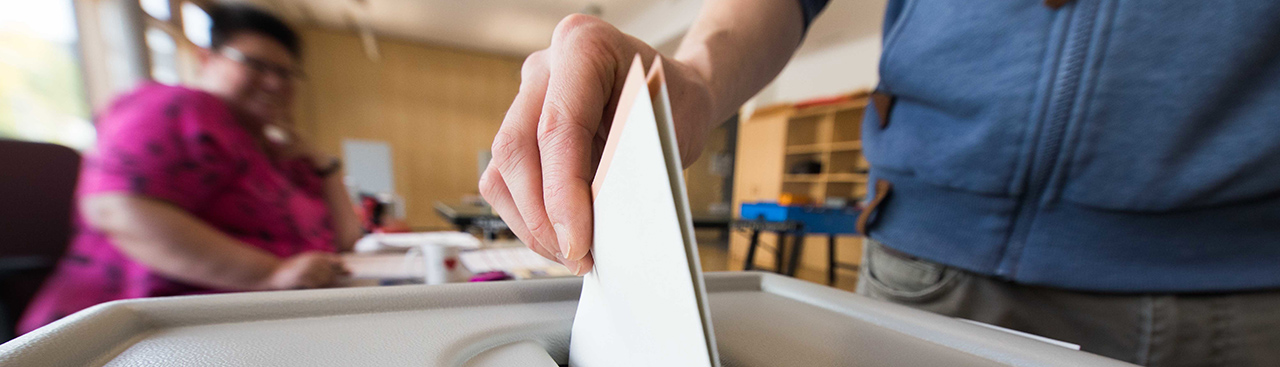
(374,269)
(797,222)
(719,222)
(468,216)
(396,268)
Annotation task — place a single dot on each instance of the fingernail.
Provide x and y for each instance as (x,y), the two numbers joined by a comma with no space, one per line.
(566,242)
(574,267)
(568,264)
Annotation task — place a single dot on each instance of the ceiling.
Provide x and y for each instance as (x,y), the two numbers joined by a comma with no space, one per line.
(508,27)
(518,27)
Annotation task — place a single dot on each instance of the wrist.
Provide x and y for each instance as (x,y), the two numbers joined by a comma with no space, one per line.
(694,63)
(268,279)
(693,108)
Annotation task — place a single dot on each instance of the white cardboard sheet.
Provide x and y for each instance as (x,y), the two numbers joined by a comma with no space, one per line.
(644,302)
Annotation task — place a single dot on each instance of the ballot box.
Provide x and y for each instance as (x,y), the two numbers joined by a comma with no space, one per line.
(759,319)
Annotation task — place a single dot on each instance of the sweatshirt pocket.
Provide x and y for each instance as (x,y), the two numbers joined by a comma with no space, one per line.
(964,76)
(1185,109)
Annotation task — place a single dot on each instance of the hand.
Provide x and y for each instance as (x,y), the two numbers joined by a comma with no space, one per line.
(307,270)
(547,150)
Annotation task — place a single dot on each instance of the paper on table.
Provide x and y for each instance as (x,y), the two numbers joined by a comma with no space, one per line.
(643,304)
(520,262)
(376,242)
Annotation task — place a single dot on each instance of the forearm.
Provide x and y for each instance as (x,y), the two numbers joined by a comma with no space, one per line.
(346,226)
(739,46)
(177,245)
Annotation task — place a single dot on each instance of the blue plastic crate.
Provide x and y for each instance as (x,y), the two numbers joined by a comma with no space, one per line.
(816,219)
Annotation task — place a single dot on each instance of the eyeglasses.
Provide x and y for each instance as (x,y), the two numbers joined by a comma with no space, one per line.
(262,66)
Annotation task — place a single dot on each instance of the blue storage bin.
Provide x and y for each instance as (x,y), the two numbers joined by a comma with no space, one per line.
(816,219)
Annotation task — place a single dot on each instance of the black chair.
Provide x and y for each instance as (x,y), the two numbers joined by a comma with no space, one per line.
(37,183)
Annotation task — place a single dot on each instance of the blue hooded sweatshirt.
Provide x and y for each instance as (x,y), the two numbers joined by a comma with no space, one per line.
(1095,145)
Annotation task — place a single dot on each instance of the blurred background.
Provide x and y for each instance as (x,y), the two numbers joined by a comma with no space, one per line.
(410,94)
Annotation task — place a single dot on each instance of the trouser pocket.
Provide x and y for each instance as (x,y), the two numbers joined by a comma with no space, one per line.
(888,274)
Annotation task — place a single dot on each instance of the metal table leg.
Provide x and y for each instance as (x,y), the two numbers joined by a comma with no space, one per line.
(831,260)
(751,249)
(778,252)
(797,244)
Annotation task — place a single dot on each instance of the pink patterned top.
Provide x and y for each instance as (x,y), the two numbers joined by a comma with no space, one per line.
(184,147)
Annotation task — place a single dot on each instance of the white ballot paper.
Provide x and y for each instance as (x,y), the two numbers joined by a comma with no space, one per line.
(644,302)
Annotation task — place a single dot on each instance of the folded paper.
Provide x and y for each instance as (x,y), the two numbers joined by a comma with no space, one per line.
(644,302)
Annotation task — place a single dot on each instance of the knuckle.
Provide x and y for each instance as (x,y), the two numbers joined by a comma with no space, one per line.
(556,191)
(508,148)
(569,197)
(558,126)
(575,25)
(540,227)
(564,138)
(488,186)
(560,193)
(585,35)
(534,64)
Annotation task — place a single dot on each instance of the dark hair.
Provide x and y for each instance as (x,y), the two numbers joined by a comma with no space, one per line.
(231,20)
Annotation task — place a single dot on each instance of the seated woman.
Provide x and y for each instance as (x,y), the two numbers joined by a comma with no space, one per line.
(205,190)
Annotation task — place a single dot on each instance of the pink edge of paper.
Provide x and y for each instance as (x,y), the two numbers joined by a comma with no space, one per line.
(626,101)
(655,80)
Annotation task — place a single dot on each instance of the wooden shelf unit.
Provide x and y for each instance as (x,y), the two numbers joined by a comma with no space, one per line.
(776,138)
(830,135)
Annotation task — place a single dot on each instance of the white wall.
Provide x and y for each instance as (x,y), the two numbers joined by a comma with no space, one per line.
(840,55)
(662,25)
(837,69)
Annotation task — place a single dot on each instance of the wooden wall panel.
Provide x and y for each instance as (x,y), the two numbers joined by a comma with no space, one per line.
(705,186)
(757,177)
(763,143)
(436,108)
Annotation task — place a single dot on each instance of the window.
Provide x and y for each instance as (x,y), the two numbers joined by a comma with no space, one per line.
(158,9)
(195,24)
(164,56)
(173,43)
(42,96)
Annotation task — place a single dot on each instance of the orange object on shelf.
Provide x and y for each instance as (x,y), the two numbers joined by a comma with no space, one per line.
(793,199)
(823,101)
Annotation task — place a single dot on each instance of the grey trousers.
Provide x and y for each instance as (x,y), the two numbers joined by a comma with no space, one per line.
(1225,329)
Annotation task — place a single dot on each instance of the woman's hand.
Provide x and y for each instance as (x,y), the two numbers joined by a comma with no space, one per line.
(307,270)
(178,245)
(547,150)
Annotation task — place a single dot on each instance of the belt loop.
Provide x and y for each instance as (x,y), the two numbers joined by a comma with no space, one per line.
(883,103)
(1055,4)
(882,190)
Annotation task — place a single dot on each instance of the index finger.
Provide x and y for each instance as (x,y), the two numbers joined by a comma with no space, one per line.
(578,92)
